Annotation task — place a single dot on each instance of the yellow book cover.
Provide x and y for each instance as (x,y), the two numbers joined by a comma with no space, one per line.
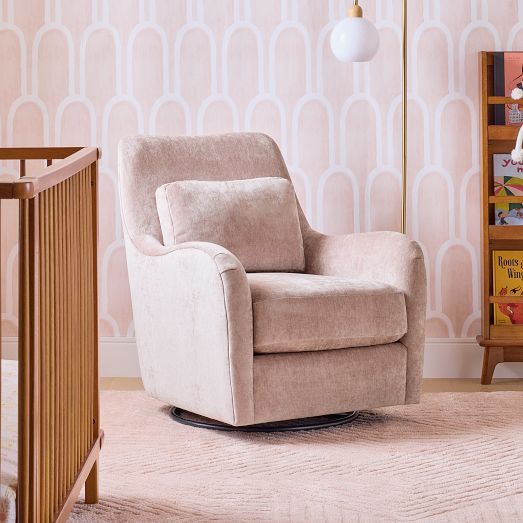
(507,271)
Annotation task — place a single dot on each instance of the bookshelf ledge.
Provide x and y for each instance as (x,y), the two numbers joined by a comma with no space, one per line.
(497,343)
(507,133)
(503,100)
(505,199)
(506,299)
(505,232)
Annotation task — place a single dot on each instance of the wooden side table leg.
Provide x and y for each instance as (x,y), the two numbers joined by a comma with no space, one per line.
(491,357)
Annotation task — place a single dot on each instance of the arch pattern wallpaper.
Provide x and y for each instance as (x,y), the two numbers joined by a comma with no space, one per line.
(88,72)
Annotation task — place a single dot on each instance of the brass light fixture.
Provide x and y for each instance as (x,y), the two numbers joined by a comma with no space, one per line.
(355,39)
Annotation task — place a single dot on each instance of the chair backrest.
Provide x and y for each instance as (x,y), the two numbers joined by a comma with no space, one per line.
(146,162)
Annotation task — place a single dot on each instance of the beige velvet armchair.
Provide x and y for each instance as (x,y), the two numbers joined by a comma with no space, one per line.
(247,348)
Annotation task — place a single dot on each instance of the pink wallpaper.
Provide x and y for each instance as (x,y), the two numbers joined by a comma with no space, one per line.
(92,71)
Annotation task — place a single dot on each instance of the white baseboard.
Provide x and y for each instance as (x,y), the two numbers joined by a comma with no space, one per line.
(118,356)
(461,358)
(444,358)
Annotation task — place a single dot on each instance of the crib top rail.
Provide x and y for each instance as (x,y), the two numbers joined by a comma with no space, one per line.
(37,153)
(72,160)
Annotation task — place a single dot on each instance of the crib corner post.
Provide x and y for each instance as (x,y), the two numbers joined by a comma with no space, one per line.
(28,501)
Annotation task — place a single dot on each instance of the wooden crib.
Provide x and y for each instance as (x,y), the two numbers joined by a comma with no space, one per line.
(59,438)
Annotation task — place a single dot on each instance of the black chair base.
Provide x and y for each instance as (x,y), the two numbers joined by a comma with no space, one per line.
(318,422)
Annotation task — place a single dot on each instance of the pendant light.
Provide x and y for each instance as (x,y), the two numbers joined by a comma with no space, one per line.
(354,39)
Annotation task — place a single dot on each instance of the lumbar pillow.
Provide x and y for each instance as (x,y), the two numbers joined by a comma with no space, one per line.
(256,219)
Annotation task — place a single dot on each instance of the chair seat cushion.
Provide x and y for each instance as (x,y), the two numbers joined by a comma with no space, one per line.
(306,312)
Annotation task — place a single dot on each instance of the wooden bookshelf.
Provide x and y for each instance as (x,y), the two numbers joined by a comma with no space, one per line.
(501,343)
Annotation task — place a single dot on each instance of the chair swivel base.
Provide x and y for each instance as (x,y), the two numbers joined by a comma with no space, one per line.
(317,422)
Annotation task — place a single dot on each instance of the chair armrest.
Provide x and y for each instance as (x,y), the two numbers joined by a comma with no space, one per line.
(193,320)
(389,257)
(225,260)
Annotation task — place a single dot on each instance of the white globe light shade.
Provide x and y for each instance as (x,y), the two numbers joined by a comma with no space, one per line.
(354,39)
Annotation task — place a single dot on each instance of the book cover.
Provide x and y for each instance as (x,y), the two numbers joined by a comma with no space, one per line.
(513,71)
(509,214)
(508,181)
(508,176)
(507,271)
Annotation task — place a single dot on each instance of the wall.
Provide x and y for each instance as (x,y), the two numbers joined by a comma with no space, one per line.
(90,72)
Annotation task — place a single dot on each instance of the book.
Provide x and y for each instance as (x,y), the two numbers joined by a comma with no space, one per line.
(508,181)
(508,176)
(509,214)
(513,75)
(507,276)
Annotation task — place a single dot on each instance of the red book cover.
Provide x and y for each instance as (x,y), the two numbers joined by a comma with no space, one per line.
(513,78)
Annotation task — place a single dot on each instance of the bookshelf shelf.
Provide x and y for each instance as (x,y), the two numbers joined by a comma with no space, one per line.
(501,343)
(506,299)
(506,343)
(506,232)
(505,199)
(502,100)
(502,333)
(507,133)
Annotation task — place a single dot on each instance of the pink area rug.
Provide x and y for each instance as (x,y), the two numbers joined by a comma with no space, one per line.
(455,457)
